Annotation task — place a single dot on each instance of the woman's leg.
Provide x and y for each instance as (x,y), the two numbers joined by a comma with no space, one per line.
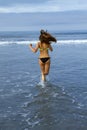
(47,67)
(42,66)
(44,69)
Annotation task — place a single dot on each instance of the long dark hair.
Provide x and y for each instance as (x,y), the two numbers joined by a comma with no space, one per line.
(46,37)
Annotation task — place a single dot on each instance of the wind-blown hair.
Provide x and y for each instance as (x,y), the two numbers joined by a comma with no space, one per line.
(46,37)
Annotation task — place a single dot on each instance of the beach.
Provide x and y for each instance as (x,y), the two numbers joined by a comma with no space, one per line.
(62,103)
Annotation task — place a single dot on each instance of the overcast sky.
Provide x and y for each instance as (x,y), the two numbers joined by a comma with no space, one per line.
(8,6)
(48,14)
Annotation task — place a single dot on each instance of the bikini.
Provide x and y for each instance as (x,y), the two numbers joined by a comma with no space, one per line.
(42,49)
(45,59)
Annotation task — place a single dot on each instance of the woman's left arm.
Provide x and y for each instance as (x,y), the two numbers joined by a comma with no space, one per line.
(34,49)
(50,47)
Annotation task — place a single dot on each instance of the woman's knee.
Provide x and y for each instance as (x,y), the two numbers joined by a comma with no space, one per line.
(46,73)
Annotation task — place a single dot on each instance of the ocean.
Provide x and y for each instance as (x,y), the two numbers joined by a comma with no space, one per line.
(61,104)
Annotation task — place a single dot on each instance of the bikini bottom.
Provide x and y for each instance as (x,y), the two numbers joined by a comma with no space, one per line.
(44,60)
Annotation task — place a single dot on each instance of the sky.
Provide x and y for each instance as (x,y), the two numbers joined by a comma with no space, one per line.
(20,6)
(35,14)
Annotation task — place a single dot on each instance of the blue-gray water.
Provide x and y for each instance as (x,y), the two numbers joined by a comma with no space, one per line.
(59,105)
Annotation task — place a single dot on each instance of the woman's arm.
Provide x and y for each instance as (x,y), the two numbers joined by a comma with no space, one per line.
(50,47)
(34,49)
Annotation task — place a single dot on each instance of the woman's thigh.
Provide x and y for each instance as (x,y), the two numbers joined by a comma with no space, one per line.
(42,66)
(47,66)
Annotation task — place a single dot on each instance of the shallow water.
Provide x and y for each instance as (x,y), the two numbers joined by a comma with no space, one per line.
(60,104)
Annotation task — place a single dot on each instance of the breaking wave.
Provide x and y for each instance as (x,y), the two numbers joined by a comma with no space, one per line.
(60,42)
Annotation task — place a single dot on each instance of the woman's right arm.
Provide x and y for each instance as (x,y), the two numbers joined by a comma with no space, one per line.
(34,49)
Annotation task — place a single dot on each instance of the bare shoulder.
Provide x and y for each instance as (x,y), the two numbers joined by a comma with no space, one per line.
(38,43)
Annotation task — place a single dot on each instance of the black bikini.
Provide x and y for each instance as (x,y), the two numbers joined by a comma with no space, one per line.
(44,60)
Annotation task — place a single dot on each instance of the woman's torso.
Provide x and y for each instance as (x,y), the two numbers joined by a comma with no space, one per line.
(43,47)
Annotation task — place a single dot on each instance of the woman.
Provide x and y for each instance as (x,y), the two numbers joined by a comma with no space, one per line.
(44,46)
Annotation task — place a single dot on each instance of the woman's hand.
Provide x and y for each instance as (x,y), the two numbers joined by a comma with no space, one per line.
(30,45)
(33,49)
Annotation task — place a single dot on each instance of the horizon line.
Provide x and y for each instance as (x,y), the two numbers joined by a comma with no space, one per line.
(62,11)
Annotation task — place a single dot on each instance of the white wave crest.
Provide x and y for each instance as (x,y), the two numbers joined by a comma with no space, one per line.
(17,42)
(60,42)
(72,41)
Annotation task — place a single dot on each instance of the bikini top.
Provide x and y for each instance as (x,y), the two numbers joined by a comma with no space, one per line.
(42,49)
